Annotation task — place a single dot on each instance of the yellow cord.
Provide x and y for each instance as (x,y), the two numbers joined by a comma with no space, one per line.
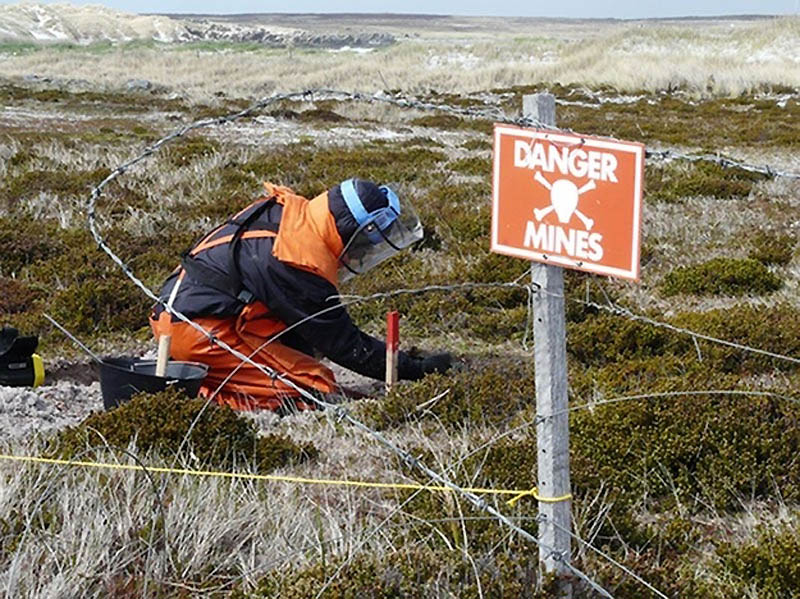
(517,494)
(534,492)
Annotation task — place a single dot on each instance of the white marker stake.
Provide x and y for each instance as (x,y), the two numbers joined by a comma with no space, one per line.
(392,343)
(550,361)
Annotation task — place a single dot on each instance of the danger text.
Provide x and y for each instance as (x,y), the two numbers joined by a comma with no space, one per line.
(572,161)
(553,239)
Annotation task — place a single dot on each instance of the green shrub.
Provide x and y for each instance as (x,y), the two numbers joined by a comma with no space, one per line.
(188,149)
(498,324)
(138,103)
(119,133)
(768,564)
(697,449)
(773,248)
(580,288)
(497,268)
(235,187)
(664,117)
(314,115)
(424,141)
(673,181)
(477,144)
(722,276)
(151,256)
(655,374)
(16,296)
(218,109)
(451,99)
(85,290)
(104,303)
(283,113)
(60,182)
(476,166)
(774,329)
(160,422)
(460,215)
(25,241)
(412,573)
(605,339)
(488,391)
(320,115)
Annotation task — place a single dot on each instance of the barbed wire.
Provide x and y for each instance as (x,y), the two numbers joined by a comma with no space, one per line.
(497,114)
(493,113)
(590,405)
(469,286)
(533,287)
(618,310)
(722,161)
(340,413)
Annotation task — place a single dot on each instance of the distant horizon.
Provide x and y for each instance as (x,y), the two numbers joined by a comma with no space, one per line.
(625,10)
(406,15)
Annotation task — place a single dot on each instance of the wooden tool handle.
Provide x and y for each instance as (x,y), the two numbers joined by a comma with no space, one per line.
(163,354)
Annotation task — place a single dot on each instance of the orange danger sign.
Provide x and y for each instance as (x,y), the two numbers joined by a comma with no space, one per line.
(568,200)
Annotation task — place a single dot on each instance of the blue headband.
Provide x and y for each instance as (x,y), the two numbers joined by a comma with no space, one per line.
(382,217)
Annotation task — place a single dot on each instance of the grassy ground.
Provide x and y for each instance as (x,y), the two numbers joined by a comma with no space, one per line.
(693,489)
(717,57)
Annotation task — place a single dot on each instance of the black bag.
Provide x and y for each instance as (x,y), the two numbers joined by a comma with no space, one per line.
(19,365)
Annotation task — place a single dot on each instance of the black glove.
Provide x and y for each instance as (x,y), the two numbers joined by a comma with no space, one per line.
(413,368)
(440,363)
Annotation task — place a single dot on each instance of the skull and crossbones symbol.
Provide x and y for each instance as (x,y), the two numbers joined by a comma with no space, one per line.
(564,200)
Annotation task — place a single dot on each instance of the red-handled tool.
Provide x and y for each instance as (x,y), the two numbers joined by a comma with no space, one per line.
(392,343)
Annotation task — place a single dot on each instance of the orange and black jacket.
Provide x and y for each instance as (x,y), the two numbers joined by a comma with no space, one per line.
(283,251)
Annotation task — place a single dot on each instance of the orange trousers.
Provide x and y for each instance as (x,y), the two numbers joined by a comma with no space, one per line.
(248,387)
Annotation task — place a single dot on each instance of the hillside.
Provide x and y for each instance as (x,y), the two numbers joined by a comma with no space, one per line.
(83,24)
(66,23)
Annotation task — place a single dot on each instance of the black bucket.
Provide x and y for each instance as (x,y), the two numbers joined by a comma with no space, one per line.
(122,377)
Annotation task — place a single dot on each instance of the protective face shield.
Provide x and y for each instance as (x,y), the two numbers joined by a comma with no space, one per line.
(381,233)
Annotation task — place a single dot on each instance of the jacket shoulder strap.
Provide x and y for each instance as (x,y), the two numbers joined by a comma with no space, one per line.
(230,282)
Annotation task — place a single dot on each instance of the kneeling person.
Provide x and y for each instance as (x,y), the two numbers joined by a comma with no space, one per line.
(275,266)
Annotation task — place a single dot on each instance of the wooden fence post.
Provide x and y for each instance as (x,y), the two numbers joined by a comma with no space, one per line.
(550,359)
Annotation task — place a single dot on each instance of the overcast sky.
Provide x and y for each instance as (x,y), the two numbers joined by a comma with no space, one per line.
(623,9)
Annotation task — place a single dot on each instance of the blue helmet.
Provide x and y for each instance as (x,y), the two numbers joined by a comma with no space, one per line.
(373,222)
(370,204)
